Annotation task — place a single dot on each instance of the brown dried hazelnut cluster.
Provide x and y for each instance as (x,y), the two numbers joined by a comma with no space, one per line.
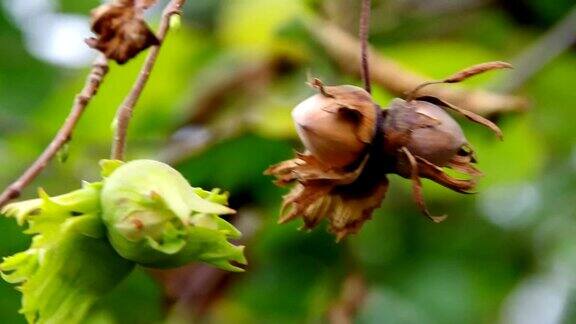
(121,30)
(352,144)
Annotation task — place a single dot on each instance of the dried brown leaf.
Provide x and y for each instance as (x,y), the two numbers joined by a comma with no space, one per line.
(301,201)
(321,192)
(121,31)
(352,102)
(417,188)
(307,169)
(476,69)
(345,213)
(319,85)
(461,75)
(348,213)
(430,171)
(468,114)
(145,4)
(313,170)
(463,164)
(124,3)
(361,103)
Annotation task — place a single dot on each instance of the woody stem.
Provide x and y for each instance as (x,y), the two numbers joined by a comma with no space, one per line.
(64,134)
(124,112)
(363,35)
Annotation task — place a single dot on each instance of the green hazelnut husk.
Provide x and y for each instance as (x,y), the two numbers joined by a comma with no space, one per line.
(69,265)
(155,218)
(86,241)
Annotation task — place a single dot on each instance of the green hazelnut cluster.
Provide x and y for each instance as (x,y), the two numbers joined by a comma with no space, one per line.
(85,242)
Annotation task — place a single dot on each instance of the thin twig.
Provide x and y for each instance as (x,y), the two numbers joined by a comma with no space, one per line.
(64,135)
(363,35)
(124,112)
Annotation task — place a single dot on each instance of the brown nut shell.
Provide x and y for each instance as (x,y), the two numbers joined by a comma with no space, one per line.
(439,143)
(337,124)
(425,129)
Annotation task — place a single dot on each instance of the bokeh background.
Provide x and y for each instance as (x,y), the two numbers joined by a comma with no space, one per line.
(218,108)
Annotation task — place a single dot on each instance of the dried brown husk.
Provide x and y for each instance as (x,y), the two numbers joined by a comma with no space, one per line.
(344,195)
(463,75)
(145,4)
(475,70)
(322,192)
(121,30)
(325,189)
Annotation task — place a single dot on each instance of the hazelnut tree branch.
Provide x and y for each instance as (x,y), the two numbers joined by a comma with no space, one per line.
(124,112)
(363,35)
(540,53)
(342,46)
(64,134)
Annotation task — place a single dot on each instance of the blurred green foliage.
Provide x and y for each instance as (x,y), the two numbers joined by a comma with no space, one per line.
(480,266)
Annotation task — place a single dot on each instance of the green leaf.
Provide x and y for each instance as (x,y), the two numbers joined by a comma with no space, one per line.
(108,166)
(70,264)
(213,248)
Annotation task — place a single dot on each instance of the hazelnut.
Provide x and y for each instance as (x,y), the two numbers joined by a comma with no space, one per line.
(337,124)
(429,131)
(352,145)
